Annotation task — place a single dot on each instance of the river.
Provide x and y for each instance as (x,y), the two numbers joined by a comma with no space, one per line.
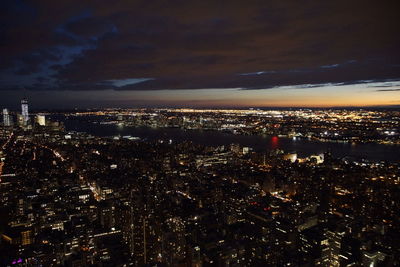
(303,147)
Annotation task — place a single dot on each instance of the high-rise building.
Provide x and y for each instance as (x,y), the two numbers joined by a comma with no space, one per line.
(6,118)
(24,110)
(332,248)
(20,120)
(41,120)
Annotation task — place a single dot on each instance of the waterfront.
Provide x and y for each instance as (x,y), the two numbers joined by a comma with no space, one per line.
(304,147)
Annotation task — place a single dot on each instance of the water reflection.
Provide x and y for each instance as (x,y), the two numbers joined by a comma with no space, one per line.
(302,146)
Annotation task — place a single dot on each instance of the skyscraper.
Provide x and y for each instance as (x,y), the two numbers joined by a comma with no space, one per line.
(41,120)
(24,109)
(6,118)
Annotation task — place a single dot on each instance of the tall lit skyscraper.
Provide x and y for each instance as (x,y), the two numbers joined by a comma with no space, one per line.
(6,118)
(24,109)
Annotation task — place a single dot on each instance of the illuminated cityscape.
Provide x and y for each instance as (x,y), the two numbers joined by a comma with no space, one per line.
(79,199)
(199,133)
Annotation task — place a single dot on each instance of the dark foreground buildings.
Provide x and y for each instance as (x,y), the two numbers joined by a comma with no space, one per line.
(72,199)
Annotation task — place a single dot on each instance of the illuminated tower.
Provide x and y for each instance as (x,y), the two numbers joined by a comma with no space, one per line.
(24,109)
(6,118)
(41,119)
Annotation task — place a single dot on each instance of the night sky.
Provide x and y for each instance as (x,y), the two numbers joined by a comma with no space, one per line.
(66,53)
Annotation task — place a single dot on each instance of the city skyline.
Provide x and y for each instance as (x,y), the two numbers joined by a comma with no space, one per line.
(191,187)
(199,133)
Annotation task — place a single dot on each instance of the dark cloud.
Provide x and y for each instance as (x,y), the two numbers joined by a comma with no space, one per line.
(388,90)
(77,45)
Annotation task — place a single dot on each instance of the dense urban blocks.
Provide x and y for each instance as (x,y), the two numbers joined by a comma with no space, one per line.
(75,199)
(199,133)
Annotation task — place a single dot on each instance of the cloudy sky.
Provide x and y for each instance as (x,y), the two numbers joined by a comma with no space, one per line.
(102,53)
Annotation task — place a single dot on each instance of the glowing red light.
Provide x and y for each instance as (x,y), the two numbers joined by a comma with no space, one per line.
(274,142)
